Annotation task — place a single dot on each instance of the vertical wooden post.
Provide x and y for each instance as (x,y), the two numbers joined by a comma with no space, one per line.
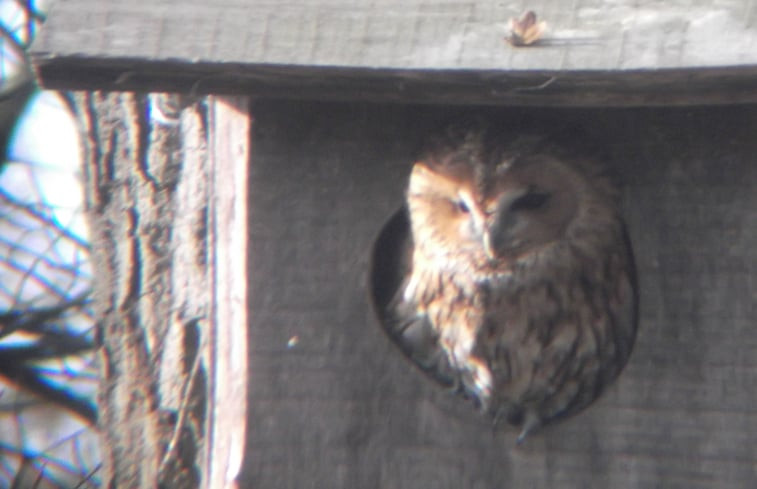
(166,199)
(229,138)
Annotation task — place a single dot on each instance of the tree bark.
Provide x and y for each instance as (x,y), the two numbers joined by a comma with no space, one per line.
(166,302)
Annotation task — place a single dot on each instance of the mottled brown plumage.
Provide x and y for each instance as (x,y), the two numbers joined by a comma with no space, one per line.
(520,290)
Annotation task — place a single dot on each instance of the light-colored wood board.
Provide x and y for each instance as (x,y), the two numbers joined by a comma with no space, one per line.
(229,145)
(409,34)
(390,49)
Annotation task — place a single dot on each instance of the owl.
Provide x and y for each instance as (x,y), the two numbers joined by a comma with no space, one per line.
(518,289)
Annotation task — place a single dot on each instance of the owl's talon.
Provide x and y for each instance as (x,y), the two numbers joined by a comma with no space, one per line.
(531,423)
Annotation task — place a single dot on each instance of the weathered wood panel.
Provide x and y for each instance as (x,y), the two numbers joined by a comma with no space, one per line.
(229,156)
(334,404)
(166,201)
(623,53)
(149,334)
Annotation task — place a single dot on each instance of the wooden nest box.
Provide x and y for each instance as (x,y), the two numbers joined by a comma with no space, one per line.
(241,157)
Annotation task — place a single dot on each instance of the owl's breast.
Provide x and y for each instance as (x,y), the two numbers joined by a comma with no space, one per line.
(551,346)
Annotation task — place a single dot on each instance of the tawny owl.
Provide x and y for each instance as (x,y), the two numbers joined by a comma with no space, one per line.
(520,285)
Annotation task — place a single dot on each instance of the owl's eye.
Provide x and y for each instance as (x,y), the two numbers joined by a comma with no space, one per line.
(530,201)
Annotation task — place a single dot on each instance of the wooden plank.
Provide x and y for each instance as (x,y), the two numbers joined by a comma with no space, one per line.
(334,404)
(229,137)
(144,159)
(167,204)
(594,53)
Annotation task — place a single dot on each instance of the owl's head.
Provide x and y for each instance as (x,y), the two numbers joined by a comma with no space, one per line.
(484,204)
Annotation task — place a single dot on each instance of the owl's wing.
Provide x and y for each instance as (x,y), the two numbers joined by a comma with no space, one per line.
(400,319)
(418,340)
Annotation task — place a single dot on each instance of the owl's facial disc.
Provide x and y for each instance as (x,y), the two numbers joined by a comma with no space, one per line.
(508,216)
(474,223)
(523,219)
(529,206)
(458,216)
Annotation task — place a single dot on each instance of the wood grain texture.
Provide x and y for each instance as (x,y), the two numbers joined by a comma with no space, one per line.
(595,52)
(340,407)
(148,331)
(166,206)
(229,141)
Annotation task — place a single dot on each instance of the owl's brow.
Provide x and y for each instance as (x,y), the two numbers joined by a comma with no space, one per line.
(496,166)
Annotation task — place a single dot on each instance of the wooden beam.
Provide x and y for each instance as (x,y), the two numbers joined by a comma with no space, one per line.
(229,138)
(594,53)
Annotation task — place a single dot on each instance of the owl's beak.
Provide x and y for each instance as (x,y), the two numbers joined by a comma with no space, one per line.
(488,249)
(481,230)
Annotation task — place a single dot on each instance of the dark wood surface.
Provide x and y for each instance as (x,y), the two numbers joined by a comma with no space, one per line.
(333,404)
(627,52)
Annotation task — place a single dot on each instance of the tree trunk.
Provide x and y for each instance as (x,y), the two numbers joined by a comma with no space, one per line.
(166,199)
